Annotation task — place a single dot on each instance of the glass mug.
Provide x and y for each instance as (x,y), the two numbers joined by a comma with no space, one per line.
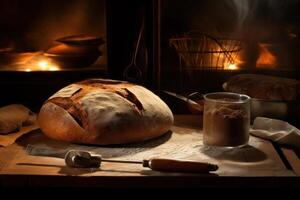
(226,119)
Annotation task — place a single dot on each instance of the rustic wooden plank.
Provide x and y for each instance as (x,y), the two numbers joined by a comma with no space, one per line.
(6,156)
(258,159)
(293,159)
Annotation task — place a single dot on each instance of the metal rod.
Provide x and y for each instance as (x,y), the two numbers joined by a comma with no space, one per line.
(122,161)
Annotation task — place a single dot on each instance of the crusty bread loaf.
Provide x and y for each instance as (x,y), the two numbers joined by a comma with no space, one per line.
(104,112)
(13,117)
(264,87)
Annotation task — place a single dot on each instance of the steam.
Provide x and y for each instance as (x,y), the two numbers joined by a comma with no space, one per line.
(258,22)
(247,10)
(243,10)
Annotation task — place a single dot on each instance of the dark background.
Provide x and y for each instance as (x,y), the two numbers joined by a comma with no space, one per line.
(33,25)
(272,22)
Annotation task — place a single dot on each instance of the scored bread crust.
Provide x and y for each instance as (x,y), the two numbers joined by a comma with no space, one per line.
(104,112)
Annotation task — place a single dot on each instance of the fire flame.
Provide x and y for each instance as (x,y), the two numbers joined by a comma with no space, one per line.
(40,63)
(232,67)
(266,59)
(45,65)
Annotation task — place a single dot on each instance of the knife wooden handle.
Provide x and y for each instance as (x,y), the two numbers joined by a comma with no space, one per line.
(169,165)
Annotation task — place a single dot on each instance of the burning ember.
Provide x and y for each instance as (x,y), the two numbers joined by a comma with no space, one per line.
(40,63)
(232,67)
(31,61)
(45,65)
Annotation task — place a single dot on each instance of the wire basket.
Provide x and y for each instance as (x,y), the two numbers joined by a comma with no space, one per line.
(202,51)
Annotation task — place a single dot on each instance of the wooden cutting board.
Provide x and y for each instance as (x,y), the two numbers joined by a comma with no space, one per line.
(259,158)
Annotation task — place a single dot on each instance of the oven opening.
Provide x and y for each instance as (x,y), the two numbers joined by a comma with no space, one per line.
(52,35)
(206,42)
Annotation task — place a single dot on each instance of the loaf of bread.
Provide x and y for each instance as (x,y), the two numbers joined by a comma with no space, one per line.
(264,87)
(104,112)
(13,117)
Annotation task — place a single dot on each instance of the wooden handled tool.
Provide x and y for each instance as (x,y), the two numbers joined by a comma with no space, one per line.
(82,159)
(168,165)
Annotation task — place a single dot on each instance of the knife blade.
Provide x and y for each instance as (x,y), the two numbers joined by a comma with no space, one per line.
(181,97)
(34,150)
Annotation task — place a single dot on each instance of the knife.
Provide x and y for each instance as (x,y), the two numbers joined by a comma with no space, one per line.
(84,159)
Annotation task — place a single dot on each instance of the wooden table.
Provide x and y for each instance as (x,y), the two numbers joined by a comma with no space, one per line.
(257,165)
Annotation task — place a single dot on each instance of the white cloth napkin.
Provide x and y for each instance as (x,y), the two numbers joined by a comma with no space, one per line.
(278,131)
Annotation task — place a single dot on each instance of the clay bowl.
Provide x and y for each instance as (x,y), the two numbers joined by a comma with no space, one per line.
(77,51)
(82,40)
(70,61)
(71,56)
